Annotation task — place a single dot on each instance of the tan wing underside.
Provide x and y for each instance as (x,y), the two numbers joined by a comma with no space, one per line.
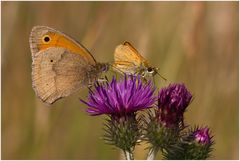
(125,67)
(57,73)
(127,53)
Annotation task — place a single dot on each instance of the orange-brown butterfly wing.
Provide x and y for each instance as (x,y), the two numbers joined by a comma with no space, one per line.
(126,52)
(56,39)
(128,60)
(125,67)
(60,65)
(57,73)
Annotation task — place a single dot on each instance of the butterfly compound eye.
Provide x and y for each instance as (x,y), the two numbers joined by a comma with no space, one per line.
(150,69)
(46,39)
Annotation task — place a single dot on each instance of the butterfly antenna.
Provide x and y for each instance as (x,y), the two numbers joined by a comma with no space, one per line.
(162,77)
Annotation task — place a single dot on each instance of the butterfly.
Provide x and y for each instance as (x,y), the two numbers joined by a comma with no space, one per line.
(60,65)
(127,60)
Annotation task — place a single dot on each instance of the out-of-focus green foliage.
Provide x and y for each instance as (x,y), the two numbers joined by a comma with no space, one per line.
(191,42)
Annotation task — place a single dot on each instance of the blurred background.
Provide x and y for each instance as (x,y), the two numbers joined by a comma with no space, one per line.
(191,42)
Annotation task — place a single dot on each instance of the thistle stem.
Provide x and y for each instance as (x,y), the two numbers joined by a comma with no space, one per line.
(152,154)
(128,155)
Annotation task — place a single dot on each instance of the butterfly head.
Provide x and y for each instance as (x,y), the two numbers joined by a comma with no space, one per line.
(151,72)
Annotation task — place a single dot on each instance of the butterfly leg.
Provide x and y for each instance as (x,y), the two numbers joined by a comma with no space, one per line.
(153,80)
(90,86)
(104,79)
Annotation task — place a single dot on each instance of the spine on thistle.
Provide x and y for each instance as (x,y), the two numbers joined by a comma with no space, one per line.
(163,130)
(195,144)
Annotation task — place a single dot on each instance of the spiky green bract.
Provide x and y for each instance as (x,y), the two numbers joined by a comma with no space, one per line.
(120,100)
(123,132)
(159,135)
(190,148)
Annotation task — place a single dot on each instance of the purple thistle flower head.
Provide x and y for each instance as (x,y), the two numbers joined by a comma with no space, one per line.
(202,136)
(172,102)
(175,96)
(120,98)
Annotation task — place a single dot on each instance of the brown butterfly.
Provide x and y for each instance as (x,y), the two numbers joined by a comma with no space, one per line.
(60,65)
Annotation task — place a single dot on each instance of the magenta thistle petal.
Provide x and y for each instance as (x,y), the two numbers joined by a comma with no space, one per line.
(202,136)
(121,97)
(172,102)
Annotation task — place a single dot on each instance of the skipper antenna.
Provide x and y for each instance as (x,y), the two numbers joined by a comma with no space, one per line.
(161,76)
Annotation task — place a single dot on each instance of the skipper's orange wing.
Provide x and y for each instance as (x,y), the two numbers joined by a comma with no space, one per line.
(127,53)
(125,67)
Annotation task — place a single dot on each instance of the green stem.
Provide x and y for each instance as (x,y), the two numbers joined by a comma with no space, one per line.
(152,154)
(128,155)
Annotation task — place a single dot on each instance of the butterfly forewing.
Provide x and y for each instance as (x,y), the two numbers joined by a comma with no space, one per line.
(128,60)
(56,39)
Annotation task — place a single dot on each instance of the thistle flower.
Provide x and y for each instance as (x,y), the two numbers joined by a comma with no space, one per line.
(172,102)
(163,129)
(195,144)
(120,98)
(202,136)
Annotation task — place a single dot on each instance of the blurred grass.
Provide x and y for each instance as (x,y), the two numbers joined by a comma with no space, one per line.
(191,42)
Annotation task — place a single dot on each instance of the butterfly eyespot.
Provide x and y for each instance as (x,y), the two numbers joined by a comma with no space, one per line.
(46,39)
